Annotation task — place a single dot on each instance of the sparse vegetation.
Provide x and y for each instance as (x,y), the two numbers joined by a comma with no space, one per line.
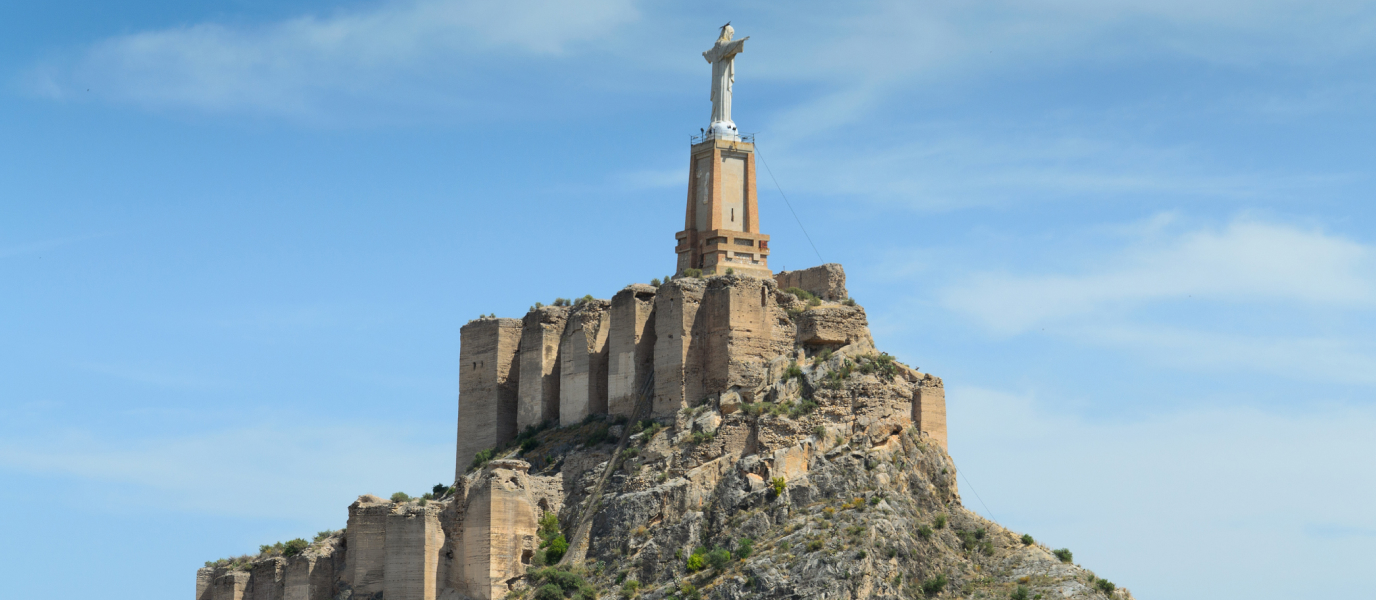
(778,485)
(924,532)
(294,547)
(630,588)
(1105,586)
(745,548)
(819,432)
(700,437)
(934,585)
(719,558)
(1064,554)
(1020,593)
(694,273)
(323,535)
(940,521)
(793,371)
(802,294)
(881,365)
(557,583)
(400,497)
(483,457)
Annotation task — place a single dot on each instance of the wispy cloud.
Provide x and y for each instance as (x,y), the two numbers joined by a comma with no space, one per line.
(269,471)
(1253,492)
(292,66)
(1247,261)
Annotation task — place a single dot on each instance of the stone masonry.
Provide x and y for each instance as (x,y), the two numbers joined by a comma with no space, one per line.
(488,380)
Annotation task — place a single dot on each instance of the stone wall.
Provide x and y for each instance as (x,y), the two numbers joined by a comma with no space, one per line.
(538,393)
(489,377)
(367,544)
(269,580)
(414,538)
(740,328)
(630,347)
(929,408)
(230,586)
(676,308)
(583,362)
(309,576)
(499,531)
(827,281)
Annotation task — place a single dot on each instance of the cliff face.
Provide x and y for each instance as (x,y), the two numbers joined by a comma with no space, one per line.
(755,444)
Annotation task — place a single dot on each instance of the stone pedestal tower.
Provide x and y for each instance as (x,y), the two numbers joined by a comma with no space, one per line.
(721,228)
(722,224)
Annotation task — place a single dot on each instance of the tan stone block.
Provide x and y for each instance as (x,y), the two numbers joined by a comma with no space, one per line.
(489,379)
(583,362)
(268,580)
(929,409)
(230,586)
(826,281)
(835,325)
(366,543)
(542,330)
(631,347)
(677,373)
(309,577)
(414,539)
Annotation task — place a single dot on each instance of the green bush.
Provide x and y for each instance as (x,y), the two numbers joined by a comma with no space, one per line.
(745,548)
(719,558)
(1020,594)
(934,585)
(814,301)
(655,282)
(440,490)
(800,293)
(819,432)
(700,437)
(689,592)
(1064,554)
(1105,586)
(793,371)
(483,457)
(630,588)
(294,547)
(1027,539)
(730,271)
(696,562)
(694,273)
(814,545)
(549,591)
(939,522)
(556,548)
(323,535)
(848,302)
(529,444)
(861,555)
(801,408)
(778,485)
(924,532)
(400,497)
(597,436)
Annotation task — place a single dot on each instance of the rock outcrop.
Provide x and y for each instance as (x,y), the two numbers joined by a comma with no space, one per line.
(710,437)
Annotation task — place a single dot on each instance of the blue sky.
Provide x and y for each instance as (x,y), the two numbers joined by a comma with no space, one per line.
(237,242)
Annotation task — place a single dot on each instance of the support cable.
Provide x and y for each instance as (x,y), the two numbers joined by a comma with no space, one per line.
(787,203)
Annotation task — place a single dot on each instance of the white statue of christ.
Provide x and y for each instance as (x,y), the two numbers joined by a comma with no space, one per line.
(723,59)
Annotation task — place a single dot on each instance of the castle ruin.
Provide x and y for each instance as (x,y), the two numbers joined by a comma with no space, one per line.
(726,332)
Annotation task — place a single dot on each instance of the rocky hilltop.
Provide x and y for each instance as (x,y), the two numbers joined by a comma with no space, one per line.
(720,437)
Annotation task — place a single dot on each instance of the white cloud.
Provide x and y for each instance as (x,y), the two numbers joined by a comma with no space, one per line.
(292,66)
(1248,261)
(1195,504)
(268,471)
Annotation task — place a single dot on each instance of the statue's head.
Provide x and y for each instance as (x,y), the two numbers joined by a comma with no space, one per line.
(726,33)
